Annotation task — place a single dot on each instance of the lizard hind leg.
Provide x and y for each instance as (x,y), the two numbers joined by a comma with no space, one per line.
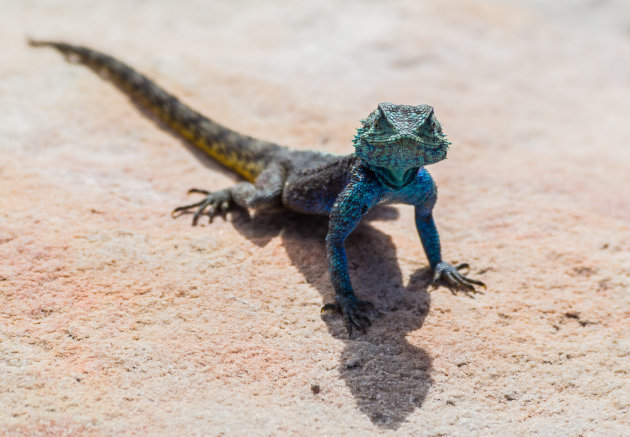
(215,203)
(265,193)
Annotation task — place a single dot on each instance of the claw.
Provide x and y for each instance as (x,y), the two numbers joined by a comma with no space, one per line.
(474,281)
(182,209)
(451,283)
(367,322)
(436,276)
(200,211)
(348,323)
(357,321)
(455,280)
(350,309)
(211,213)
(224,207)
(213,202)
(198,191)
(458,281)
(329,307)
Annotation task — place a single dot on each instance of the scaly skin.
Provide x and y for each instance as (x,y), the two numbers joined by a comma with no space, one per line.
(392,147)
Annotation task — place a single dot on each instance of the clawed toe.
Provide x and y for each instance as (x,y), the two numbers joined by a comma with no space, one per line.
(215,203)
(454,280)
(180,210)
(351,311)
(330,307)
(198,191)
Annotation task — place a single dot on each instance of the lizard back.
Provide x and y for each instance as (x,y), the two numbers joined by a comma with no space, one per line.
(240,153)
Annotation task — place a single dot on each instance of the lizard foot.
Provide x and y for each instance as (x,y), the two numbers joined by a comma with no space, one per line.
(214,204)
(455,280)
(351,310)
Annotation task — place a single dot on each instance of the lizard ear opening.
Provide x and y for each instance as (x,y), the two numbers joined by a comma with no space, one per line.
(432,121)
(380,120)
(369,121)
(378,123)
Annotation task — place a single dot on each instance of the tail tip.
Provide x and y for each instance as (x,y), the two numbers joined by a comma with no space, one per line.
(43,43)
(35,42)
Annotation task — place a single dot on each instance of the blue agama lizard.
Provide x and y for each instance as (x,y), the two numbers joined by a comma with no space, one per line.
(392,146)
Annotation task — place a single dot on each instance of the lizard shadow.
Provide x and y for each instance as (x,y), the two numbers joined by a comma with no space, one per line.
(388,377)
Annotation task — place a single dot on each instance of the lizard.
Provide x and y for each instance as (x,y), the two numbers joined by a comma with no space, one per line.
(392,147)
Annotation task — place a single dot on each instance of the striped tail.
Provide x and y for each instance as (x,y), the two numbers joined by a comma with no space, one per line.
(242,154)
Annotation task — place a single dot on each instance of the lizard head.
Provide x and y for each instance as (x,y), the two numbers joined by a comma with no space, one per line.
(396,140)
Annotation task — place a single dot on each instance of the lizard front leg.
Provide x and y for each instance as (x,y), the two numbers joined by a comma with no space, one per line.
(265,193)
(431,243)
(353,202)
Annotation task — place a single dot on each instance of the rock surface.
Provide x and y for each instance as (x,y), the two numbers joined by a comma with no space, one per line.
(116,319)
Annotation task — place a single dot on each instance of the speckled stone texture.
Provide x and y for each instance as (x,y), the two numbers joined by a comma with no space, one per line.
(116,319)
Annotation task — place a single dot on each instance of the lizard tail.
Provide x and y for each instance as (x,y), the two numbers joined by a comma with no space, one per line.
(243,154)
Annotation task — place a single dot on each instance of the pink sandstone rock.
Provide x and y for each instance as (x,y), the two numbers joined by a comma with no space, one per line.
(116,319)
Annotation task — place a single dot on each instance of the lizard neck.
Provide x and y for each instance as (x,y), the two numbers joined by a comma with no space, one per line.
(393,178)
